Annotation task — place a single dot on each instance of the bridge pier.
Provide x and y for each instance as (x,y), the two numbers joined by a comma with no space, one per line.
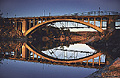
(24,26)
(16,53)
(87,63)
(20,28)
(93,62)
(16,26)
(29,55)
(88,20)
(37,57)
(99,60)
(101,23)
(41,20)
(94,21)
(24,52)
(33,22)
(33,56)
(108,60)
(37,21)
(111,24)
(29,23)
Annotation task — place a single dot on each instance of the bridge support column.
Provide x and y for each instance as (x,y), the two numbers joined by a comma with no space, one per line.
(101,23)
(29,55)
(30,23)
(16,25)
(93,62)
(41,20)
(82,19)
(33,56)
(10,54)
(99,60)
(33,22)
(110,24)
(94,21)
(37,57)
(24,52)
(20,26)
(4,54)
(87,62)
(20,52)
(16,53)
(108,60)
(37,21)
(10,21)
(88,20)
(24,26)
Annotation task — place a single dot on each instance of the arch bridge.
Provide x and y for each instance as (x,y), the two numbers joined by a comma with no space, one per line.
(28,24)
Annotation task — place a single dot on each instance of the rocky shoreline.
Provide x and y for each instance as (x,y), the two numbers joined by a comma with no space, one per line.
(110,71)
(111,47)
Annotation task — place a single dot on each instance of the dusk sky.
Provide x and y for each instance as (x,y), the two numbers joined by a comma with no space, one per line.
(24,8)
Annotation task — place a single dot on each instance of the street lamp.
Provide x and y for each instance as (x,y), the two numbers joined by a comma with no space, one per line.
(7,15)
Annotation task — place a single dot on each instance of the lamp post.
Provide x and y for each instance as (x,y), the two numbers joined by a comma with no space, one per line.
(49,13)
(7,15)
(99,10)
(15,15)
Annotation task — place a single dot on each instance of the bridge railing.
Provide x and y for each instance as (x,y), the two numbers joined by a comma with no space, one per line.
(91,13)
(94,13)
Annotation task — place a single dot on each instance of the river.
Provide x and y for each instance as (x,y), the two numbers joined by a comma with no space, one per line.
(62,60)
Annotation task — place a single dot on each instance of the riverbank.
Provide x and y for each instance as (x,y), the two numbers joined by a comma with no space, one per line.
(113,39)
(111,47)
(110,71)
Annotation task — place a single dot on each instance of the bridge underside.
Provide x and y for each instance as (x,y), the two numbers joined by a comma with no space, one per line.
(61,20)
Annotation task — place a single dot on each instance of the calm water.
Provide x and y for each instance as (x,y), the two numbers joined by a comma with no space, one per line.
(20,67)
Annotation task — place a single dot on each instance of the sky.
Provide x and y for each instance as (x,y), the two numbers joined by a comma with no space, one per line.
(25,8)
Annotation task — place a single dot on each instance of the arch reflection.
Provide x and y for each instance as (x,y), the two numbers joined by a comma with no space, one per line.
(28,52)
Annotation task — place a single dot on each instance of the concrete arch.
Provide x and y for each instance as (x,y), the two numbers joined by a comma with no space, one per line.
(61,60)
(59,20)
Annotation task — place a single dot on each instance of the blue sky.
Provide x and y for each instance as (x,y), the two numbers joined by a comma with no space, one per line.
(55,7)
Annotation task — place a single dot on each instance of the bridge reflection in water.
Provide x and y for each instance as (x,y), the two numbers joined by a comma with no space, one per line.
(48,40)
(59,54)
